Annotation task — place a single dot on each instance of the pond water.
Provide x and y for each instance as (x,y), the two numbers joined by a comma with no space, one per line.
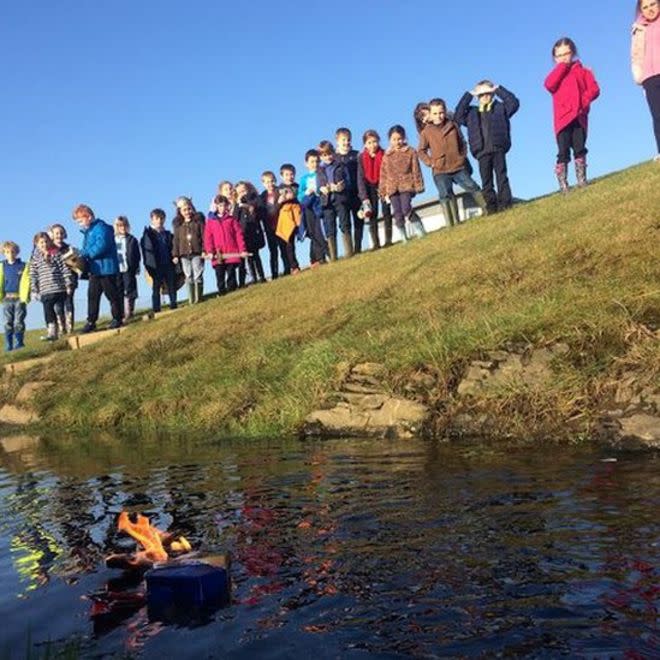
(343,548)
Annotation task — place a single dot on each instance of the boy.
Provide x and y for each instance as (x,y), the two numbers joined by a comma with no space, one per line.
(270,210)
(348,157)
(441,147)
(289,215)
(156,244)
(489,135)
(99,251)
(311,208)
(14,295)
(332,181)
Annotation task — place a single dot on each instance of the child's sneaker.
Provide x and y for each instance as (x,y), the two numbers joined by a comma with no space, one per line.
(88,327)
(115,323)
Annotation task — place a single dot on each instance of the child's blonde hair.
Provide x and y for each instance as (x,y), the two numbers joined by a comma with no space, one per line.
(10,245)
(57,225)
(122,220)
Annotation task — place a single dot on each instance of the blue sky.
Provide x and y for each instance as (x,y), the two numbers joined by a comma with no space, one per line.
(126,105)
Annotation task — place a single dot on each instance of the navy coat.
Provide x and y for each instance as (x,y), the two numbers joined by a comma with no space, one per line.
(500,129)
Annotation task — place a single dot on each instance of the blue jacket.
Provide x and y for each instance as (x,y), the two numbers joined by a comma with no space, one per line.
(499,115)
(99,248)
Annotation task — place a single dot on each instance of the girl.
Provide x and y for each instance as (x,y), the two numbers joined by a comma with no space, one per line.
(368,178)
(573,90)
(128,254)
(248,215)
(421,115)
(66,312)
(645,54)
(188,247)
(224,243)
(50,280)
(400,180)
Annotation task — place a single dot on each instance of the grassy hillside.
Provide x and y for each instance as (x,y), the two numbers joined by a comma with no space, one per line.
(581,269)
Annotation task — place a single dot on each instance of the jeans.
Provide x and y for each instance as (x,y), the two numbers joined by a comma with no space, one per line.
(14,312)
(164,275)
(275,245)
(652,88)
(106,284)
(444,183)
(401,207)
(490,164)
(193,269)
(573,137)
(318,246)
(336,212)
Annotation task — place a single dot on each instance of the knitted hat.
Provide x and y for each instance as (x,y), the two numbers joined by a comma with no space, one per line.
(483,87)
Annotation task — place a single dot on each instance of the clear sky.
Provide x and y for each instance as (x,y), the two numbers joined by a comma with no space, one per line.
(125,105)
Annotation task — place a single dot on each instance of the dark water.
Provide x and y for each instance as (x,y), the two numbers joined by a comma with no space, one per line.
(341,549)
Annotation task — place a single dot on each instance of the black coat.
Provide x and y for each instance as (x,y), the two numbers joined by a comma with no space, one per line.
(249,215)
(132,254)
(341,174)
(499,128)
(149,244)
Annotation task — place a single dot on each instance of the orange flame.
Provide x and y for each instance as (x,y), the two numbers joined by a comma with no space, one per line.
(146,535)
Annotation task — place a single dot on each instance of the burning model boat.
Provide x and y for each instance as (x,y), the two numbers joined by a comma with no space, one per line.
(177,578)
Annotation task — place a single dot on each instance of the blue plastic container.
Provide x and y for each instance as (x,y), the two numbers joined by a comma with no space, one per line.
(186,587)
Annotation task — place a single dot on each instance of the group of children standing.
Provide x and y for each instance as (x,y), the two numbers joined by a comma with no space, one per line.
(341,190)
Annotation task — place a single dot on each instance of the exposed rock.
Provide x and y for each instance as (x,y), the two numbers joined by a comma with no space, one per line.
(10,414)
(14,443)
(365,409)
(531,367)
(641,428)
(27,392)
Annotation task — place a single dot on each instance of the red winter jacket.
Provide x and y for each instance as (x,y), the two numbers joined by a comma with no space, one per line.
(223,235)
(573,89)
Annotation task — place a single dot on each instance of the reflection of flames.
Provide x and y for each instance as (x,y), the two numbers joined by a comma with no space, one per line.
(156,545)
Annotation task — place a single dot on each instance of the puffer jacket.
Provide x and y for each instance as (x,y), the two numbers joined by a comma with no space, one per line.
(645,49)
(99,248)
(225,236)
(400,172)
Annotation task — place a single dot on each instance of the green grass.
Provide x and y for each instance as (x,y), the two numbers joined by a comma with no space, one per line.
(581,269)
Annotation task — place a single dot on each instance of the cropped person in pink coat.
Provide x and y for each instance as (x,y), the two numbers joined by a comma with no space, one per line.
(224,243)
(573,88)
(645,55)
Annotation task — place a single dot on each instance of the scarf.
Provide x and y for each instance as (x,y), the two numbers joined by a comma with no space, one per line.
(371,166)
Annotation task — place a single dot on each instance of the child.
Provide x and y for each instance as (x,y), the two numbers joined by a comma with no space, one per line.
(224,244)
(99,251)
(311,208)
(489,135)
(645,56)
(65,313)
(331,180)
(249,217)
(289,216)
(269,211)
(442,148)
(400,180)
(50,280)
(368,178)
(573,90)
(156,244)
(348,157)
(128,254)
(421,116)
(14,295)
(188,247)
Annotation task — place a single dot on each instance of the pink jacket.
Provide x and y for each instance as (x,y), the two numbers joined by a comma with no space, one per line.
(645,49)
(223,235)
(573,90)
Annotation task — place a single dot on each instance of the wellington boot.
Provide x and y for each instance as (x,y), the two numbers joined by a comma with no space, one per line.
(581,172)
(332,248)
(481,202)
(448,213)
(199,292)
(403,234)
(562,177)
(51,333)
(191,294)
(68,319)
(388,230)
(348,244)
(453,204)
(373,234)
(18,341)
(9,341)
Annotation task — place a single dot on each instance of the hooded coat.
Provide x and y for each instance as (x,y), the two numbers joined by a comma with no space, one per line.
(645,49)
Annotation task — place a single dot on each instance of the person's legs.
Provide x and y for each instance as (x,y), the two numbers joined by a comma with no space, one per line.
(318,247)
(220,270)
(579,144)
(358,224)
(94,291)
(282,247)
(69,311)
(652,88)
(242,274)
(109,286)
(198,277)
(156,283)
(564,140)
(504,197)
(9,315)
(231,272)
(271,241)
(20,310)
(49,301)
(372,195)
(486,165)
(344,220)
(330,228)
(170,281)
